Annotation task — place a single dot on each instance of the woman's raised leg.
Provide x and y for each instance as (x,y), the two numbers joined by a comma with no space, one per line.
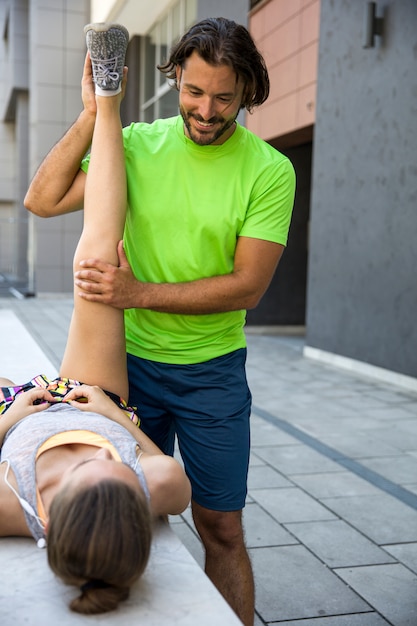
(95,353)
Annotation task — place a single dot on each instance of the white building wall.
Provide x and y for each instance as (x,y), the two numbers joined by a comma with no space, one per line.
(57,51)
(13,137)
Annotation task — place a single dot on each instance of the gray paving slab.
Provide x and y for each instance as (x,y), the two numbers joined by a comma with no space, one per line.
(391,589)
(360,444)
(333,484)
(255,461)
(401,469)
(291,505)
(263,476)
(406,553)
(411,406)
(262,530)
(403,436)
(265,434)
(338,544)
(389,395)
(364,400)
(382,518)
(390,413)
(319,424)
(292,584)
(296,459)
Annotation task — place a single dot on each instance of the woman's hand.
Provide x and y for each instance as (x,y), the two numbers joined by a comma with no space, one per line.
(91,398)
(27,403)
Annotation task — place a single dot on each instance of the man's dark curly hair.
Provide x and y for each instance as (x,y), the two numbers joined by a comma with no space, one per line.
(220,41)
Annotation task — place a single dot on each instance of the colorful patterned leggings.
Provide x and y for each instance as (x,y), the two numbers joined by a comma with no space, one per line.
(58,387)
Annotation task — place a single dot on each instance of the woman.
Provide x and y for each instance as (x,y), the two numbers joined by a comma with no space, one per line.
(75,471)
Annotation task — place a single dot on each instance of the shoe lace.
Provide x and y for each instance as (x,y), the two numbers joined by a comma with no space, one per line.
(105,70)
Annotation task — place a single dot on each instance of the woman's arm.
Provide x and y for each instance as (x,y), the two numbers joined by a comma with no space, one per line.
(168,485)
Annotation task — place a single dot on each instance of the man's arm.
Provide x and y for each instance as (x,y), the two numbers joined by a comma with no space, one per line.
(58,185)
(254,265)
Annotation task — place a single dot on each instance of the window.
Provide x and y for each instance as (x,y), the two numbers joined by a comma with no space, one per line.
(157,96)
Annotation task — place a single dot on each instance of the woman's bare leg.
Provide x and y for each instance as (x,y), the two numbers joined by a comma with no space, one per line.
(95,353)
(6,382)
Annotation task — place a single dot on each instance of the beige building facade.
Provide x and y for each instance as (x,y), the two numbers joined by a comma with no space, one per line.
(287,33)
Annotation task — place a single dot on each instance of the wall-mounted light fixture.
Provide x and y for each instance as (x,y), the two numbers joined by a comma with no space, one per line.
(373,25)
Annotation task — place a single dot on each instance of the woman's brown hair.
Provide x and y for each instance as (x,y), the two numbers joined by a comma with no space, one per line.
(99,539)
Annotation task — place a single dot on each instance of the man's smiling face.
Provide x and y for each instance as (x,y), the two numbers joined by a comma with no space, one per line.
(210,99)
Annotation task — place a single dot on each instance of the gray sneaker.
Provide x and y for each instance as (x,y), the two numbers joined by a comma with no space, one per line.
(107,44)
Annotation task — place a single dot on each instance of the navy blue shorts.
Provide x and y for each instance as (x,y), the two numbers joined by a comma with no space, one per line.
(207,405)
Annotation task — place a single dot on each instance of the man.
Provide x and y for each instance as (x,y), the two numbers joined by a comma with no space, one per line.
(208,217)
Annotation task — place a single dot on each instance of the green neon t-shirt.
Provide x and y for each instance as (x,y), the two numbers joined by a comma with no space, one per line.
(187,205)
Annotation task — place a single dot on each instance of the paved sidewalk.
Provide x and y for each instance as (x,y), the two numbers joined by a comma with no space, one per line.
(331,516)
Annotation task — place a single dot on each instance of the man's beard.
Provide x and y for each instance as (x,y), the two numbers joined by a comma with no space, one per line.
(206,139)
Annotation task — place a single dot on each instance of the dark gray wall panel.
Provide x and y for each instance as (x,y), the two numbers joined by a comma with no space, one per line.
(362,281)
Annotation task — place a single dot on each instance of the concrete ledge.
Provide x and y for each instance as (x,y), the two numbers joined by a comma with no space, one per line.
(20,357)
(173,590)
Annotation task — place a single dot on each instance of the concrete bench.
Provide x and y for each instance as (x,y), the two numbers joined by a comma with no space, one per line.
(173,590)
